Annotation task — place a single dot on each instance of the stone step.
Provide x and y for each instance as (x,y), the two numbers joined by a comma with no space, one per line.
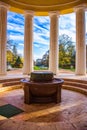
(74,88)
(76,84)
(8,88)
(76,80)
(11,83)
(9,80)
(72,84)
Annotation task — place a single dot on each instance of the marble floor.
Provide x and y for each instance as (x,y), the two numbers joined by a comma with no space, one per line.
(70,114)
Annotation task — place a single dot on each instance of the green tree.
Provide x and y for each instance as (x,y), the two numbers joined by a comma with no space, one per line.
(45,59)
(9,45)
(9,54)
(66,52)
(12,54)
(15,55)
(18,62)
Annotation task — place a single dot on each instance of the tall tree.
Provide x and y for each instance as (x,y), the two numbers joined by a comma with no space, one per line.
(66,51)
(11,52)
(9,45)
(45,59)
(9,55)
(14,50)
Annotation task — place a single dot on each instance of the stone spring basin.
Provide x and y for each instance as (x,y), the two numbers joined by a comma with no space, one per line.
(42,89)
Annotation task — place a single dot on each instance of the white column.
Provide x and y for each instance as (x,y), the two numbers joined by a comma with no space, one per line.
(28,43)
(80,41)
(3,37)
(53,53)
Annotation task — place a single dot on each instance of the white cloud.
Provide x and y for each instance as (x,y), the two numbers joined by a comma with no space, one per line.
(43,19)
(68,19)
(36,45)
(41,28)
(17,37)
(39,39)
(15,17)
(67,25)
(69,33)
(37,56)
(20,52)
(41,36)
(21,44)
(15,27)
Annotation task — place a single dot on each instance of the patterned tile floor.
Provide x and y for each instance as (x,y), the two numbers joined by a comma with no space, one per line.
(70,114)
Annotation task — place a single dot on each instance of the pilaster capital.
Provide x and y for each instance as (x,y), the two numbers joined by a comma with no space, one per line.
(54,13)
(2,4)
(29,13)
(80,7)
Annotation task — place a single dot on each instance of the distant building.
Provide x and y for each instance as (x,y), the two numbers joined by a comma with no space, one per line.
(38,62)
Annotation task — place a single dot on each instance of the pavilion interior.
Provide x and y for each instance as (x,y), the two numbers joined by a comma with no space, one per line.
(71,112)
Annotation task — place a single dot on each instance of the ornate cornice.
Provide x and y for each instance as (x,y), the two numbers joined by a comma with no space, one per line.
(45,6)
(52,13)
(2,4)
(82,6)
(53,5)
(29,12)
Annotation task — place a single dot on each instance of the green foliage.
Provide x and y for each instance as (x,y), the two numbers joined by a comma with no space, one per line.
(66,52)
(18,63)
(12,56)
(66,55)
(36,68)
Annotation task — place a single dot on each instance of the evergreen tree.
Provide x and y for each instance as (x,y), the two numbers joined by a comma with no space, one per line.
(18,62)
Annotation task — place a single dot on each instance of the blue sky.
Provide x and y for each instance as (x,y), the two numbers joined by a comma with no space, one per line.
(15,31)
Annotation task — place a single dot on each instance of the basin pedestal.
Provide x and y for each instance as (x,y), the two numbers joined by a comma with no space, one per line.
(42,92)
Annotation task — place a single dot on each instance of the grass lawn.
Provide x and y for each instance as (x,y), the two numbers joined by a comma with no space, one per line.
(45,68)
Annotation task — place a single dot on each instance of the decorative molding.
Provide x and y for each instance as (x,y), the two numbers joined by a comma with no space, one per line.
(55,5)
(29,12)
(52,13)
(82,6)
(2,4)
